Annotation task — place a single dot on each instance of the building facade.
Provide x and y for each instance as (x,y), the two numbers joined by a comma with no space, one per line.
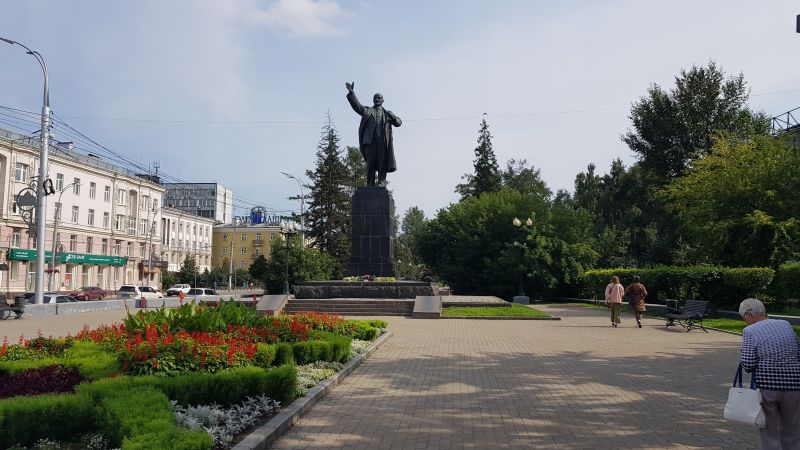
(185,235)
(242,244)
(100,221)
(210,200)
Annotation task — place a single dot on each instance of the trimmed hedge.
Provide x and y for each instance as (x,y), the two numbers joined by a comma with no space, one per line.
(89,358)
(306,352)
(24,420)
(284,354)
(723,287)
(265,355)
(786,284)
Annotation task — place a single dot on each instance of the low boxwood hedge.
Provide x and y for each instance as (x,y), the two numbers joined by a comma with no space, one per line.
(24,420)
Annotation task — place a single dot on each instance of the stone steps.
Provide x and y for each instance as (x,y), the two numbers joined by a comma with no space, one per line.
(351,307)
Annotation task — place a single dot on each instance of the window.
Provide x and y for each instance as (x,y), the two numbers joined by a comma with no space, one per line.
(155,205)
(74,214)
(129,249)
(92,189)
(104,247)
(244,237)
(272,236)
(91,218)
(107,194)
(15,238)
(119,223)
(141,250)
(89,244)
(21,173)
(73,242)
(224,250)
(117,247)
(257,252)
(225,236)
(59,182)
(258,236)
(122,197)
(142,226)
(14,270)
(241,264)
(76,186)
(106,220)
(145,201)
(194,230)
(244,250)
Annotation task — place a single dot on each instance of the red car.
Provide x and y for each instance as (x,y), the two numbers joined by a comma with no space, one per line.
(89,293)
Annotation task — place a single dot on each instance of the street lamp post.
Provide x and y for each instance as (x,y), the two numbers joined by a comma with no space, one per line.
(288,230)
(56,220)
(302,208)
(524,230)
(41,205)
(230,261)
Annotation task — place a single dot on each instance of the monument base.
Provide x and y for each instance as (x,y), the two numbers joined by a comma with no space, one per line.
(364,289)
(373,233)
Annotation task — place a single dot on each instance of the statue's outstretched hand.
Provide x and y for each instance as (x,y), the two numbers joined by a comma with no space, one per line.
(350,86)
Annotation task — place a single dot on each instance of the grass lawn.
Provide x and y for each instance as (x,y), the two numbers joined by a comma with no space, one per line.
(516,310)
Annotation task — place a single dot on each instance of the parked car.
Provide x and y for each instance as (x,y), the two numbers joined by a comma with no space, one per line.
(177,289)
(201,292)
(59,298)
(89,293)
(137,292)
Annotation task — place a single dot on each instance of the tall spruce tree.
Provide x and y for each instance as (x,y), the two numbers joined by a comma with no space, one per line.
(329,207)
(487,173)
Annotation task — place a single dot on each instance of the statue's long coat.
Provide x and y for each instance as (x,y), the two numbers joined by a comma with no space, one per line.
(366,129)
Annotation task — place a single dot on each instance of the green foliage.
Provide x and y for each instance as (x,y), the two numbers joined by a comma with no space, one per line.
(259,268)
(265,355)
(284,355)
(525,179)
(192,317)
(90,359)
(407,260)
(188,273)
(305,264)
(786,284)
(169,279)
(306,352)
(281,384)
(515,310)
(356,170)
(24,420)
(486,177)
(340,346)
(723,287)
(739,204)
(328,213)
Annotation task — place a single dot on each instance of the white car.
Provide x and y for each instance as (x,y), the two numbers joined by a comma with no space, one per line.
(137,292)
(177,289)
(201,292)
(58,298)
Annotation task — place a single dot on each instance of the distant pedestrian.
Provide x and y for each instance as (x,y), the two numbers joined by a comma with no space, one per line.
(770,348)
(181,296)
(614,294)
(637,293)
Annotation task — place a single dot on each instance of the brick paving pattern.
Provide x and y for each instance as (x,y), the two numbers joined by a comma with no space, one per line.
(573,384)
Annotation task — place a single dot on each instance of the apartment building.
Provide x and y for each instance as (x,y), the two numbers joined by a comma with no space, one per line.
(185,235)
(99,222)
(242,244)
(210,200)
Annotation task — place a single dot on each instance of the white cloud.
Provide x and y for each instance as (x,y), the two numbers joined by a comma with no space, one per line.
(304,19)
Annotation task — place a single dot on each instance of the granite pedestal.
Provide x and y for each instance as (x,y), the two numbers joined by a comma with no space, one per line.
(373,233)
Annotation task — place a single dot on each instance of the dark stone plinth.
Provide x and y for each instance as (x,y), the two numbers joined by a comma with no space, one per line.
(363,289)
(373,233)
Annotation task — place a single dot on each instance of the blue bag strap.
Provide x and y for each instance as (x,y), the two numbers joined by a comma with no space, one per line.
(753,380)
(738,377)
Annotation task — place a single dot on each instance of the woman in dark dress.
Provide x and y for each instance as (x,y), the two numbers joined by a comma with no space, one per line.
(639,292)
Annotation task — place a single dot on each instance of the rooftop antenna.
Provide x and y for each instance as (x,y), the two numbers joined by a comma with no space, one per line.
(156,166)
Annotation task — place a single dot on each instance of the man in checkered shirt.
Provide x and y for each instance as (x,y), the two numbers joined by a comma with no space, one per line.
(771,349)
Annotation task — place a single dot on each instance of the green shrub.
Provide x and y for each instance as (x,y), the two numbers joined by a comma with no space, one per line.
(89,358)
(306,352)
(169,438)
(281,384)
(265,355)
(340,345)
(377,323)
(200,388)
(24,420)
(284,354)
(786,284)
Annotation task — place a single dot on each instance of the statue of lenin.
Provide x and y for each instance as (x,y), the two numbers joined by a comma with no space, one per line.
(375,136)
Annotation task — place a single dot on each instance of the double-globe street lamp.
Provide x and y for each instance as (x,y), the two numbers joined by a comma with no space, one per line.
(523,233)
(41,205)
(56,220)
(288,229)
(302,208)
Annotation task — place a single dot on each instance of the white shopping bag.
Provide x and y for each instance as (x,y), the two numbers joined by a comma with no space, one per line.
(744,404)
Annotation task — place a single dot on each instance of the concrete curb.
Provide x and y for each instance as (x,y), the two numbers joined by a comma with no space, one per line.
(262,437)
(500,318)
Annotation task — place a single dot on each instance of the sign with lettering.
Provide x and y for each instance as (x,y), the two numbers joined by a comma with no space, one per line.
(20,254)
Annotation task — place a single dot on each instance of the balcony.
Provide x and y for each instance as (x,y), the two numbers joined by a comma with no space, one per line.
(258,242)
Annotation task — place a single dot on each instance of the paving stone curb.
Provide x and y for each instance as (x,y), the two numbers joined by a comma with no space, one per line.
(262,437)
(500,318)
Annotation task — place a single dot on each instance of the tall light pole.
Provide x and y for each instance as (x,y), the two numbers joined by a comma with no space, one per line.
(56,218)
(230,261)
(302,208)
(41,205)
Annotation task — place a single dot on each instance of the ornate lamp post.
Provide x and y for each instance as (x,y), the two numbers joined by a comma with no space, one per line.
(288,230)
(524,230)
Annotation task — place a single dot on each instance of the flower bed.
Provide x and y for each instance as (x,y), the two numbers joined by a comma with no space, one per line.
(124,376)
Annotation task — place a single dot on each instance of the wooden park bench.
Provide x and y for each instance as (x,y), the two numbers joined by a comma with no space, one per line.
(691,315)
(16,309)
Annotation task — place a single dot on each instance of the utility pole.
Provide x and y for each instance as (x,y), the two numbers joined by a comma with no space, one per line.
(41,204)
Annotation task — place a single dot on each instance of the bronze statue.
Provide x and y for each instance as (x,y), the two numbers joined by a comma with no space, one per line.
(375,136)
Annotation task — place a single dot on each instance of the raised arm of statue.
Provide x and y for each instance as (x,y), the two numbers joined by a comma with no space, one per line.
(354,103)
(394,120)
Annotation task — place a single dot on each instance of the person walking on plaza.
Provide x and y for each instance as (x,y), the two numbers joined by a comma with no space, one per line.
(614,294)
(771,349)
(638,292)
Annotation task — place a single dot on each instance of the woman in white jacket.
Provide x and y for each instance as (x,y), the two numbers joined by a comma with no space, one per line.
(614,294)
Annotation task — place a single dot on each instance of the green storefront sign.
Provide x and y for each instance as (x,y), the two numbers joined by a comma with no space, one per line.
(19,254)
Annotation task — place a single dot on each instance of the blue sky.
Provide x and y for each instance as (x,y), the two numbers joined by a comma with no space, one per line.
(556,79)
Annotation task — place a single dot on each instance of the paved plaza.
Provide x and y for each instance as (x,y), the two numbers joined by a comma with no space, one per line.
(571,384)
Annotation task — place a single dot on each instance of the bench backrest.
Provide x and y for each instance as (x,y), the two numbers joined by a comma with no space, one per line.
(695,307)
